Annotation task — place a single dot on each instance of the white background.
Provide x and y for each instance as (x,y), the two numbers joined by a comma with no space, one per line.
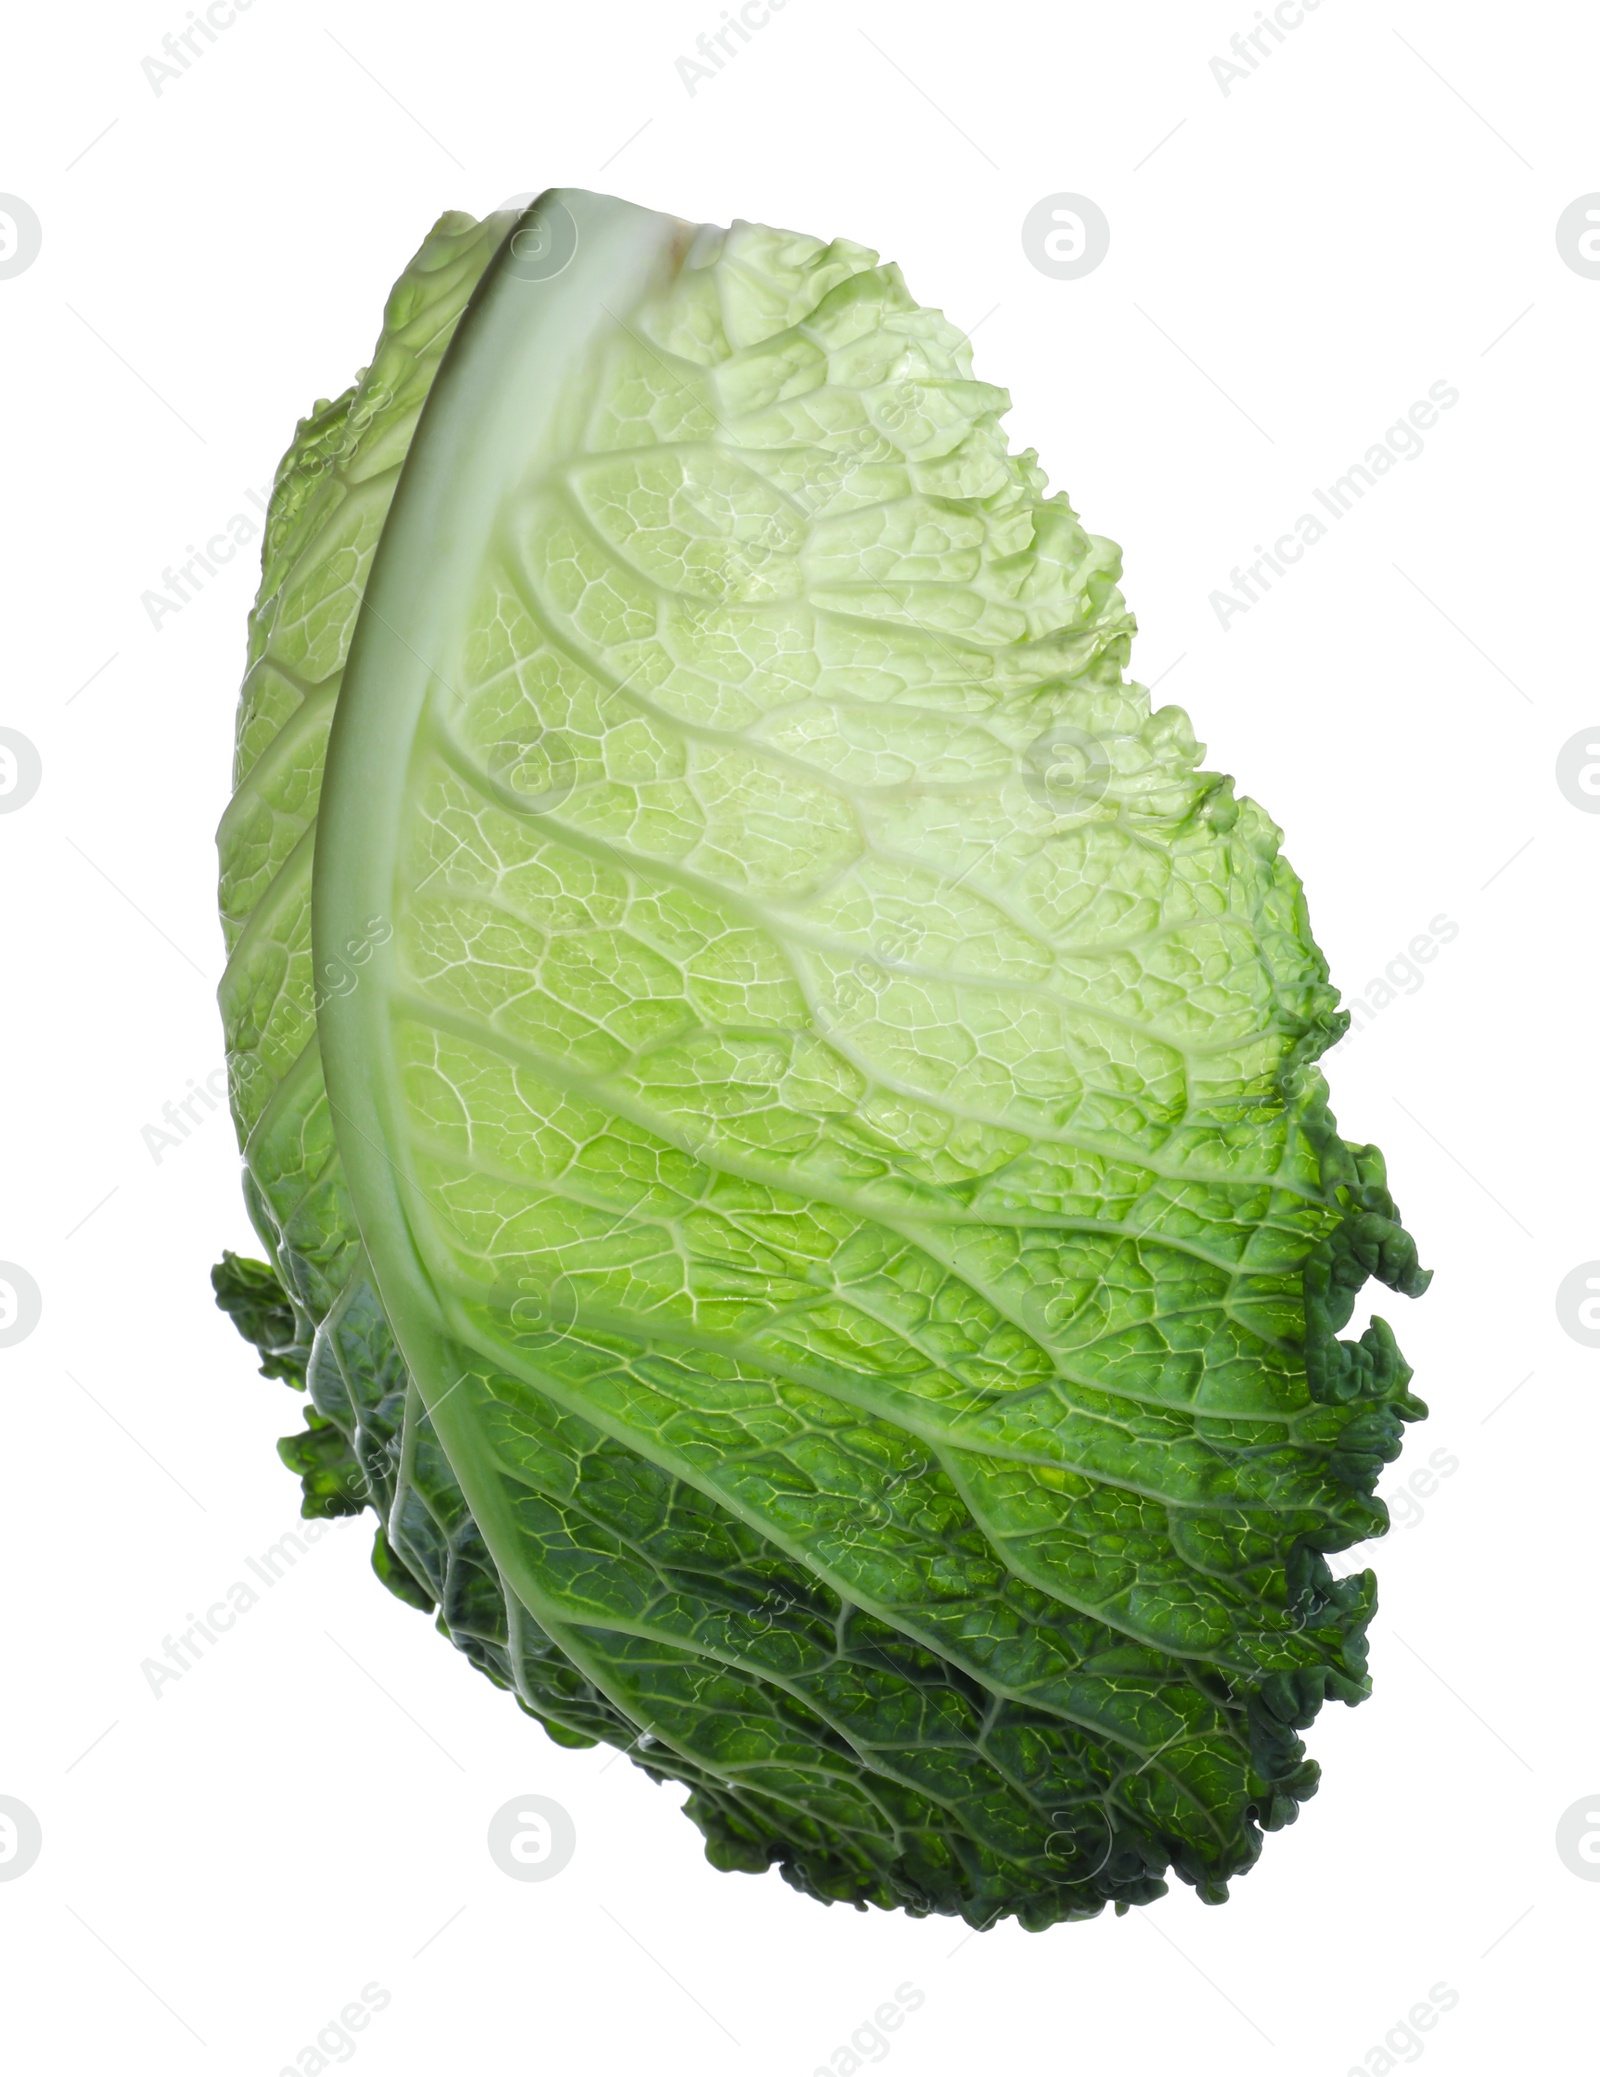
(1292,263)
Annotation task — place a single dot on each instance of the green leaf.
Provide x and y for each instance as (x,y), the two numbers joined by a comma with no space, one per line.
(785,1102)
(252,1297)
(398,1577)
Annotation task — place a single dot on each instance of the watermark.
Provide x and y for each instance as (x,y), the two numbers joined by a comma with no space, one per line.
(1066,770)
(532,1838)
(21,1837)
(1066,236)
(539,766)
(879,1511)
(182,50)
(318,460)
(870,2041)
(902,416)
(335,2040)
(1403,2041)
(544,1314)
(183,1116)
(20,1304)
(21,236)
(1407,1502)
(1402,441)
(771,1610)
(1577,1303)
(717,51)
(543,248)
(183,585)
(158,1139)
(183,1653)
(856,990)
(756,565)
(1402,975)
(1577,235)
(339,976)
(20,771)
(1578,770)
(1577,1838)
(1251,48)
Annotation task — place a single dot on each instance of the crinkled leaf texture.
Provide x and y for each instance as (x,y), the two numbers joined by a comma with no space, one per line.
(782,1104)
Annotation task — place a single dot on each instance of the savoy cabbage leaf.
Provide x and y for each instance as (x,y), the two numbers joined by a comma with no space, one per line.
(782,1102)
